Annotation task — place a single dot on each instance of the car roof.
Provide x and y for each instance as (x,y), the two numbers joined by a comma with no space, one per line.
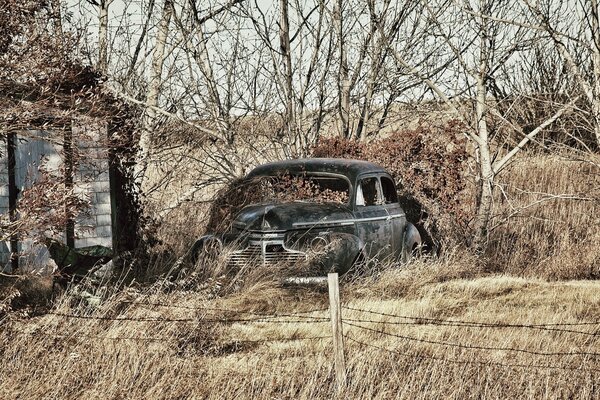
(347,167)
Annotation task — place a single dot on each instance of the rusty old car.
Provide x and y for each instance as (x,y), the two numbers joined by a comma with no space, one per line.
(319,214)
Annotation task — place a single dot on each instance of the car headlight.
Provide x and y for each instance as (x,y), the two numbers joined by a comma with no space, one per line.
(318,244)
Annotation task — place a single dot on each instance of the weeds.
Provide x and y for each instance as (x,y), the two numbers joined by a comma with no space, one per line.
(152,343)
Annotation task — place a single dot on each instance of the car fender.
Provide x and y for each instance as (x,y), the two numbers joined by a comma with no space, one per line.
(412,241)
(343,250)
(202,243)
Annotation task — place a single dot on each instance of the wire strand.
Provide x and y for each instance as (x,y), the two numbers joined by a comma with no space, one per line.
(165,339)
(463,362)
(470,324)
(275,315)
(188,320)
(475,347)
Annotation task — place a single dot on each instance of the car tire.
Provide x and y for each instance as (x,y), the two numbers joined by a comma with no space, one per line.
(205,249)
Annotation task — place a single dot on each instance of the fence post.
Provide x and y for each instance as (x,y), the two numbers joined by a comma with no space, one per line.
(335,311)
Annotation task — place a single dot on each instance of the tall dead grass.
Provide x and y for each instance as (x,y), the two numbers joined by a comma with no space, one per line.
(164,341)
(547,219)
(54,356)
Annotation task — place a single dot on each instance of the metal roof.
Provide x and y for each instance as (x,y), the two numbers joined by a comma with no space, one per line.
(346,167)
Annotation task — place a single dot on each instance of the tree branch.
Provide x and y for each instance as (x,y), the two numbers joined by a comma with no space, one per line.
(499,165)
(212,134)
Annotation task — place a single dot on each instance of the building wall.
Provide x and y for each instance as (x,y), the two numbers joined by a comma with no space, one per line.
(90,180)
(30,153)
(4,246)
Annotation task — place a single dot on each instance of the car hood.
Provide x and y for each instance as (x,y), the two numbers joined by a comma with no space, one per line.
(295,215)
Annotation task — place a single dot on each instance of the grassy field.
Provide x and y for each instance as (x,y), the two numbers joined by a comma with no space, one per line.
(161,343)
(547,218)
(522,321)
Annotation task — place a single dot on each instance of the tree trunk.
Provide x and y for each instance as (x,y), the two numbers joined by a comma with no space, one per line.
(344,79)
(206,68)
(140,42)
(484,209)
(154,85)
(103,37)
(284,44)
(365,113)
(486,182)
(486,178)
(595,26)
(361,129)
(57,19)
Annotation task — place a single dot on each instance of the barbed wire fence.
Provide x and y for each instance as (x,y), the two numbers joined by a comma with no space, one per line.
(346,329)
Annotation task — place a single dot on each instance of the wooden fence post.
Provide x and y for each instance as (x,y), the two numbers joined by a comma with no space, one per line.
(335,311)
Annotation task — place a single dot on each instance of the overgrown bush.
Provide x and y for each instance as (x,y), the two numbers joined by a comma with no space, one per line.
(428,165)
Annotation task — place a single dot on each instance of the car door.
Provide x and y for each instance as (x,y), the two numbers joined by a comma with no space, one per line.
(396,215)
(372,223)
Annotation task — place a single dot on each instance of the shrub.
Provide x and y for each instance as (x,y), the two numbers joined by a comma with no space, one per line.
(428,165)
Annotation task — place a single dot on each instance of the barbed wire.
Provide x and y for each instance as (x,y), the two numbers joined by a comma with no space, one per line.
(483,363)
(196,308)
(167,338)
(474,347)
(373,321)
(473,324)
(351,322)
(316,320)
(122,318)
(470,322)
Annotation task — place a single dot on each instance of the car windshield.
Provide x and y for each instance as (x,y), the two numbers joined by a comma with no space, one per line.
(312,188)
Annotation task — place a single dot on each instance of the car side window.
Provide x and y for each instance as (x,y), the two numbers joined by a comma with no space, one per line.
(368,192)
(389,190)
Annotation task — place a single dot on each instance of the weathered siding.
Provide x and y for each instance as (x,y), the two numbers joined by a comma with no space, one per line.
(91,180)
(30,153)
(4,246)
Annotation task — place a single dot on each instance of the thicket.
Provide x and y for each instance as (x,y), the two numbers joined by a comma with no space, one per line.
(429,165)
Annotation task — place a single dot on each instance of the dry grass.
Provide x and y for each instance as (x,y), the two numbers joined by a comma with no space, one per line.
(57,357)
(548,220)
(524,279)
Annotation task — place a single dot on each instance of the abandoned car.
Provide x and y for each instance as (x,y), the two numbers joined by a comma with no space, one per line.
(322,215)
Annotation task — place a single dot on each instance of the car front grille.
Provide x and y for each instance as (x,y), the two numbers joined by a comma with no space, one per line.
(264,253)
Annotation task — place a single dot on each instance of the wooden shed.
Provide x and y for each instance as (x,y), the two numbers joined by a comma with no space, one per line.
(84,136)
(91,181)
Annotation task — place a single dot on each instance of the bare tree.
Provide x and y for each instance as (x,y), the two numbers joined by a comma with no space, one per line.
(574,29)
(286,54)
(476,66)
(344,78)
(102,65)
(154,86)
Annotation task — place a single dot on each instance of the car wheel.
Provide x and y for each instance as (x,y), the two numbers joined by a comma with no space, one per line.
(206,250)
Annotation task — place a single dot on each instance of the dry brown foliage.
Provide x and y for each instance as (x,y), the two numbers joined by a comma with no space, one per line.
(44,92)
(286,188)
(428,164)
(44,208)
(53,356)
